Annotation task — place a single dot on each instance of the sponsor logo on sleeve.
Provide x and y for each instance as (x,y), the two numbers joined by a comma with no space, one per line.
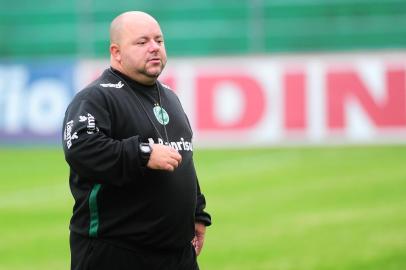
(68,136)
(91,123)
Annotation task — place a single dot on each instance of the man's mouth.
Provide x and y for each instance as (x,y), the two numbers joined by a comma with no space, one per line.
(154,60)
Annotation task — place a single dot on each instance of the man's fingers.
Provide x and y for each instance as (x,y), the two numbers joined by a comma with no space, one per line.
(173,164)
(175,154)
(198,247)
(169,167)
(174,159)
(164,157)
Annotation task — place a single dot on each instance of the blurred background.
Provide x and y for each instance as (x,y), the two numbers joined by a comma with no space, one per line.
(299,115)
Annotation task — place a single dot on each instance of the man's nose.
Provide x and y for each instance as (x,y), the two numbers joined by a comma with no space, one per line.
(153,46)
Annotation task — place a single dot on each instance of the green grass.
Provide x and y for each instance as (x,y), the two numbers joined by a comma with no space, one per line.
(275,209)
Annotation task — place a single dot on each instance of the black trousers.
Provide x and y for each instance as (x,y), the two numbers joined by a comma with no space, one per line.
(94,254)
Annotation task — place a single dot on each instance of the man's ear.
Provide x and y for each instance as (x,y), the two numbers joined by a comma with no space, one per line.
(115,52)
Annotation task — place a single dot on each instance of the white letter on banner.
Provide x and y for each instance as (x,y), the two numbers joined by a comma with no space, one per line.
(47,102)
(12,83)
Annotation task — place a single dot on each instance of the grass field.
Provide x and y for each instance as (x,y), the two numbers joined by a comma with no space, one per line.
(274,209)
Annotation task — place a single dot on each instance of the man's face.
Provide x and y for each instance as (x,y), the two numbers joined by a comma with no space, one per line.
(142,48)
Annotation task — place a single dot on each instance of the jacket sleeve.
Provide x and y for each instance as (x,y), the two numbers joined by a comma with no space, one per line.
(200,215)
(91,152)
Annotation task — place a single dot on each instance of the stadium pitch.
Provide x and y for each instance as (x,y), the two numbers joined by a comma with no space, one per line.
(273,209)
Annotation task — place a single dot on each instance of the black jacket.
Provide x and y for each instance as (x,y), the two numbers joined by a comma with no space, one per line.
(116,197)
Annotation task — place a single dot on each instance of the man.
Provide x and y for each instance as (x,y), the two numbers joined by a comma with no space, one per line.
(128,143)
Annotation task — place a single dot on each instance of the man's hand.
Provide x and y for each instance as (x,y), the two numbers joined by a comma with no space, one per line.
(164,157)
(198,240)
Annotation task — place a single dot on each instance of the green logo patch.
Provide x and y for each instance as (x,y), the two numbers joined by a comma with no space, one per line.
(161,115)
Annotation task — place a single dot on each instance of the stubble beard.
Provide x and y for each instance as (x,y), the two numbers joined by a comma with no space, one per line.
(153,75)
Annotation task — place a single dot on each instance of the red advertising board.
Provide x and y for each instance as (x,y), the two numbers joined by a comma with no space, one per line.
(359,98)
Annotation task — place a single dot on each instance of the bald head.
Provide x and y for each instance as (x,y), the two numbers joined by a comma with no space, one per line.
(119,24)
(137,46)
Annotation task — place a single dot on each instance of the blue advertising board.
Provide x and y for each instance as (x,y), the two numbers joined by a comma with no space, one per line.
(33,98)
